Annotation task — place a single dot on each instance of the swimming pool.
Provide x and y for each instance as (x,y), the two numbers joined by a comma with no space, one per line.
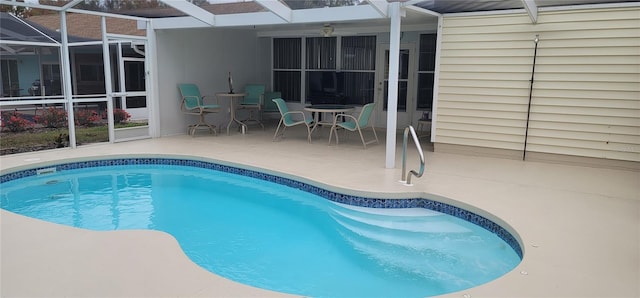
(386,251)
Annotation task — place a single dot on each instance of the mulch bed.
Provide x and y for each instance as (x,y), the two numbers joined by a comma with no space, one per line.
(14,150)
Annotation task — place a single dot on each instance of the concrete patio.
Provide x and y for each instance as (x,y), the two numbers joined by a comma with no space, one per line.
(579,226)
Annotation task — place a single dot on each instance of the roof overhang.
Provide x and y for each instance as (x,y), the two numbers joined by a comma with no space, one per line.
(277,12)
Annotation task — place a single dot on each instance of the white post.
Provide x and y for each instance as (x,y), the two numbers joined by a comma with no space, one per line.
(108,87)
(394,66)
(150,67)
(66,78)
(436,82)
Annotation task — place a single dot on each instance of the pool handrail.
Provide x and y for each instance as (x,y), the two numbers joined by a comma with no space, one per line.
(407,180)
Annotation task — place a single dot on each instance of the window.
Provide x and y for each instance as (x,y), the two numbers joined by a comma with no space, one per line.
(426,71)
(288,83)
(321,53)
(403,79)
(51,76)
(358,59)
(287,67)
(134,76)
(134,80)
(88,70)
(91,73)
(359,53)
(332,74)
(9,74)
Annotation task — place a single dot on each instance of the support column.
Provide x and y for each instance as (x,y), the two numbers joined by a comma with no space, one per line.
(151,66)
(108,78)
(66,78)
(394,66)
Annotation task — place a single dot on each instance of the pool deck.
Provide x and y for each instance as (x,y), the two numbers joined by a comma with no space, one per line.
(579,226)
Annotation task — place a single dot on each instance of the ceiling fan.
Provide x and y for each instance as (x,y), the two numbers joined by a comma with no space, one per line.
(327,30)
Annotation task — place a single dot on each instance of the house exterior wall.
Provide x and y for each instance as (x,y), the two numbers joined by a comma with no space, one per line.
(204,57)
(586,93)
(29,67)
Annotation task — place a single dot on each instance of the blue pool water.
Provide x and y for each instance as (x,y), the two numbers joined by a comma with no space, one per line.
(269,235)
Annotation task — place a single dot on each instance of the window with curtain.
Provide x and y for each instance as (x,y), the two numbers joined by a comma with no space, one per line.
(358,59)
(426,69)
(287,67)
(321,52)
(351,82)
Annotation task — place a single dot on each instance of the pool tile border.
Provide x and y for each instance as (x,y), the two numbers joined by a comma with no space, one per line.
(330,195)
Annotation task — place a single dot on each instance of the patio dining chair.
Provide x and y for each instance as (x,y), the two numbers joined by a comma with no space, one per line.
(252,102)
(286,120)
(192,103)
(351,123)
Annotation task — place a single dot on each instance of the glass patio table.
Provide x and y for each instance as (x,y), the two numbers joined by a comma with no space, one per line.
(330,109)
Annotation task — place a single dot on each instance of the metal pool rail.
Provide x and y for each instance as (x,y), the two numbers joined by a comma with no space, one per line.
(407,179)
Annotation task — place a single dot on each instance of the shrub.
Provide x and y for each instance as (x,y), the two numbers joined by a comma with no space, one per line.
(15,122)
(120,116)
(86,117)
(61,140)
(52,117)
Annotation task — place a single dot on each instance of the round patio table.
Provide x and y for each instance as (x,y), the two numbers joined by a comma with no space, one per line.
(332,109)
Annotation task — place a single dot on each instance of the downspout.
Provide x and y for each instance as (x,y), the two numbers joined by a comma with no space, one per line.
(135,48)
(533,71)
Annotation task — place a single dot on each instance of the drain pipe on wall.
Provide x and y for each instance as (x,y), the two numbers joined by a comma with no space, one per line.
(533,71)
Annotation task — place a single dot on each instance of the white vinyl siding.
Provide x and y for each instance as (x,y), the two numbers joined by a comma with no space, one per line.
(586,91)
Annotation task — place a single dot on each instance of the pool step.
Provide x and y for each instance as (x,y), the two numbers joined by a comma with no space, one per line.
(431,259)
(432,223)
(404,239)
